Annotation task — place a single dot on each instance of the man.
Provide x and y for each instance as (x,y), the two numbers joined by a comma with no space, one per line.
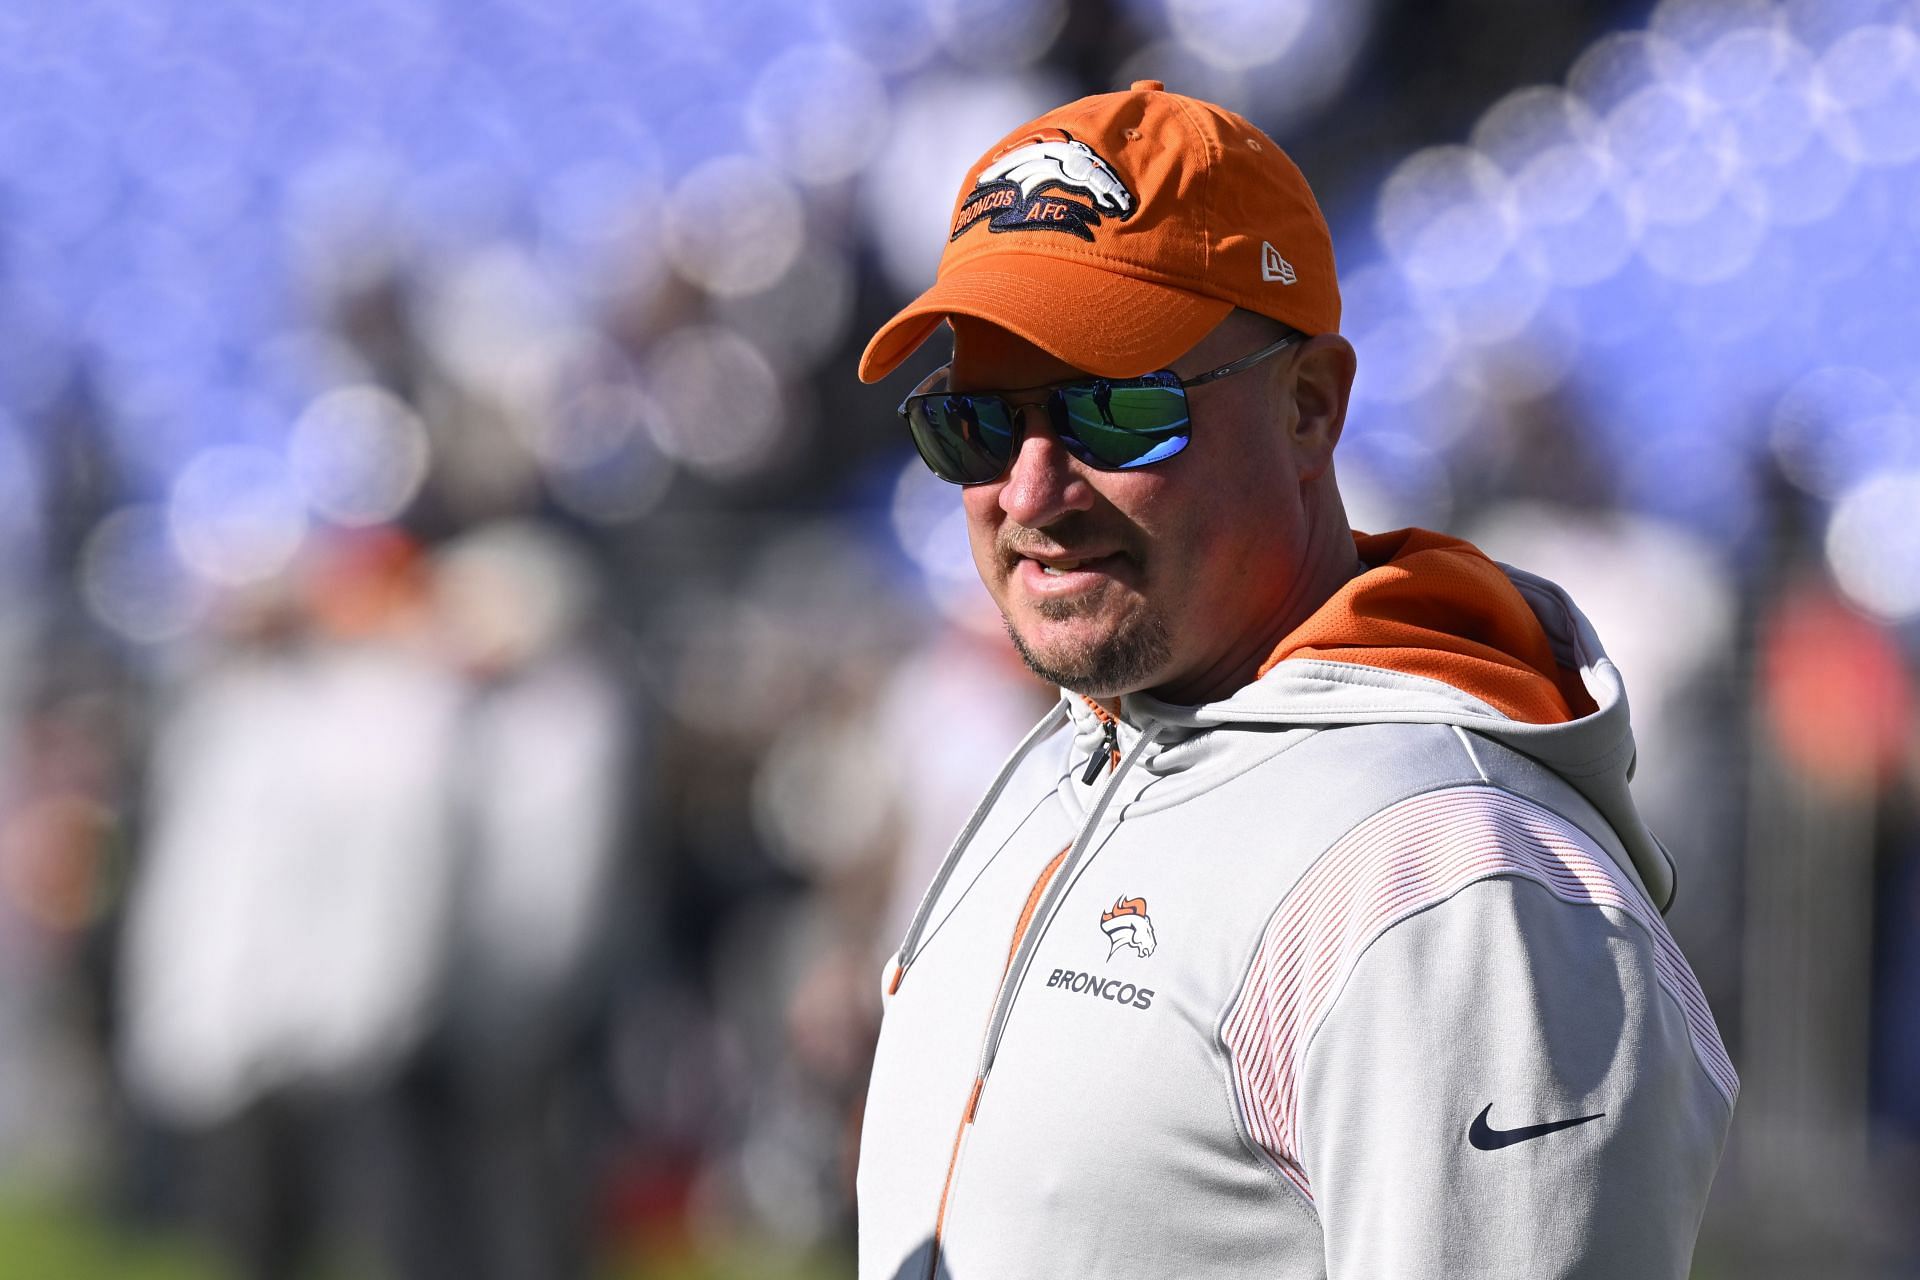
(1314,933)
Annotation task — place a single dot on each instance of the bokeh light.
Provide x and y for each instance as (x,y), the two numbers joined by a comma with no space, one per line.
(1873,545)
(997,33)
(133,581)
(236,515)
(1442,216)
(818,113)
(720,407)
(359,454)
(930,528)
(1238,35)
(801,318)
(733,226)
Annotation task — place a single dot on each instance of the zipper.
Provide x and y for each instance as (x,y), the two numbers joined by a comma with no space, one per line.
(1109,738)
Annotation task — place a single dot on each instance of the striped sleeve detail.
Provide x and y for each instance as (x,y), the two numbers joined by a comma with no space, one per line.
(1401,861)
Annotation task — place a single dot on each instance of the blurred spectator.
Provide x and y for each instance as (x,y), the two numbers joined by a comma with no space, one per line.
(285,935)
(493,1159)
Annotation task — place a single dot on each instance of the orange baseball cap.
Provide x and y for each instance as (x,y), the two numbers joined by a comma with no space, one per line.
(1115,232)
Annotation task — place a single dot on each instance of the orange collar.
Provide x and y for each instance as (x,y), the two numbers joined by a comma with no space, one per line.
(1435,606)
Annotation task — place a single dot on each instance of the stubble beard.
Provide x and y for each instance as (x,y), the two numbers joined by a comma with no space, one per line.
(1125,661)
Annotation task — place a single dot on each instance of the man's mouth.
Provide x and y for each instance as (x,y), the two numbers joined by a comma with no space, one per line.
(1053,575)
(1068,563)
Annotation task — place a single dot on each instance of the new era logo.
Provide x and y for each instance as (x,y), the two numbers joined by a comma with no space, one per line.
(1275,267)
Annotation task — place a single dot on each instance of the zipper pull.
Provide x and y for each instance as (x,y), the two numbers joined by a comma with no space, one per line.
(1106,753)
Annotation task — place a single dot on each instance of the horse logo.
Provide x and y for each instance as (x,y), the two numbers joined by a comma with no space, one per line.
(1128,925)
(1012,193)
(1060,160)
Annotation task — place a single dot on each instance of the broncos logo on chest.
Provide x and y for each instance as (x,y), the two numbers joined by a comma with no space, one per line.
(1128,925)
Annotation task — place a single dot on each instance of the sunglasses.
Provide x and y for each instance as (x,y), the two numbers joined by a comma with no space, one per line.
(1111,424)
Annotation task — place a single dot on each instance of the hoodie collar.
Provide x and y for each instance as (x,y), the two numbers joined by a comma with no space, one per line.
(1434,606)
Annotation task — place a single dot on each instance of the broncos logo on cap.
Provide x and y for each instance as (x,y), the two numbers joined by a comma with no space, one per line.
(1060,161)
(1012,192)
(1128,925)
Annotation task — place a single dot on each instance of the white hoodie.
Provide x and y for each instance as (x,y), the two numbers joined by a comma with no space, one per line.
(1349,975)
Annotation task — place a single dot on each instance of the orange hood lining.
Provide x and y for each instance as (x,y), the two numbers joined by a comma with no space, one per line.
(1430,605)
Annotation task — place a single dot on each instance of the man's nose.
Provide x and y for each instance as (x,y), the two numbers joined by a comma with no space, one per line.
(1042,483)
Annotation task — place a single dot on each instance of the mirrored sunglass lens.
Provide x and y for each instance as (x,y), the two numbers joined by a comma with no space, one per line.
(964,439)
(1127,426)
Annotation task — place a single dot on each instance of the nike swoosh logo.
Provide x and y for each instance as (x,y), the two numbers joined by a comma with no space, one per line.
(1487,1138)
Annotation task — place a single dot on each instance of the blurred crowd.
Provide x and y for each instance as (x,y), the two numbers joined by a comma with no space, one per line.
(483,687)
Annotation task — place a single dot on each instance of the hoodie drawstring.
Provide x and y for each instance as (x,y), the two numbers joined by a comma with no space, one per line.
(1053,720)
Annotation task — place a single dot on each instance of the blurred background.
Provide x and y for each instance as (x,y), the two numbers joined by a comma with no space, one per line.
(482,686)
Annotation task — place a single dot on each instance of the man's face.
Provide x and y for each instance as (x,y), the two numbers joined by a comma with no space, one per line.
(1166,578)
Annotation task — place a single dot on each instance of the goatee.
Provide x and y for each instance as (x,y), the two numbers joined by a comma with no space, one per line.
(1125,661)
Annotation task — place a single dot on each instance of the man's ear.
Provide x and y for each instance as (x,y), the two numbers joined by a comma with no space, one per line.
(1322,382)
